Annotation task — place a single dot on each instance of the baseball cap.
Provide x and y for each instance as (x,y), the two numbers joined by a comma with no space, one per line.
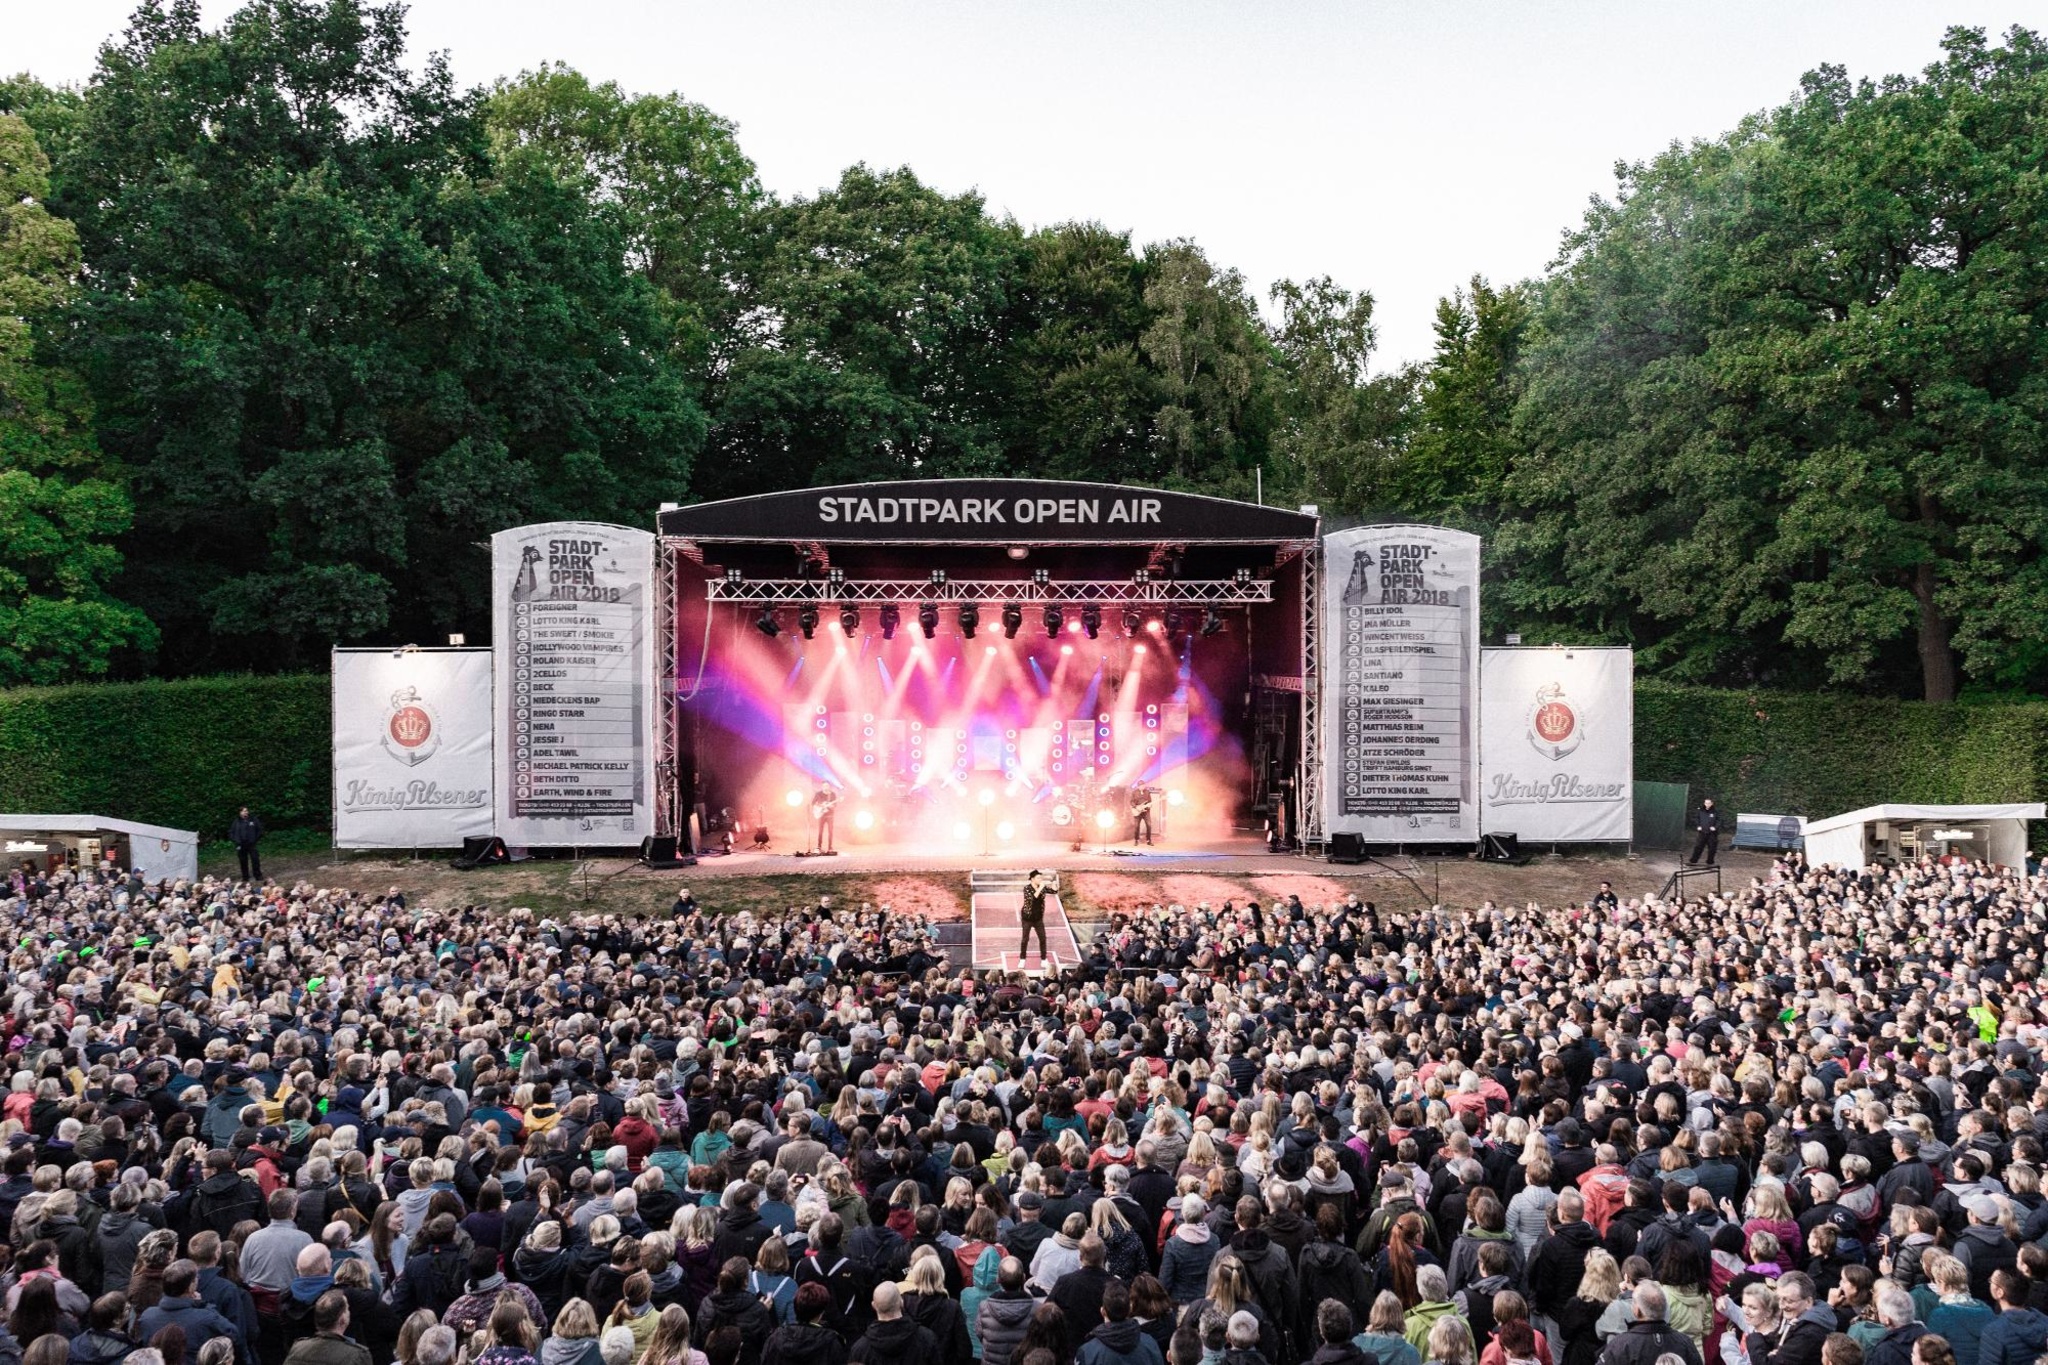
(1030,1199)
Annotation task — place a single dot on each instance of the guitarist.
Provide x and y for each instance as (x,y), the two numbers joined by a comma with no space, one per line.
(822,806)
(1141,814)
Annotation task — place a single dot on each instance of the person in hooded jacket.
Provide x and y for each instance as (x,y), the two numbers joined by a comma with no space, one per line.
(1190,1247)
(1117,1340)
(1982,1246)
(807,1341)
(2017,1336)
(740,1229)
(1000,1319)
(120,1233)
(1333,1333)
(894,1339)
(103,1342)
(1329,1269)
(1802,1328)
(1560,1259)
(732,1304)
(542,1264)
(926,1303)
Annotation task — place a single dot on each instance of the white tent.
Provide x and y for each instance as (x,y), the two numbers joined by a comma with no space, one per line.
(1996,833)
(153,850)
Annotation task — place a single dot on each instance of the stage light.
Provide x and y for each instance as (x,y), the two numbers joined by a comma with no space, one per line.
(807,620)
(1105,819)
(1041,576)
(1006,831)
(1142,576)
(793,797)
(891,615)
(987,796)
(1176,797)
(734,577)
(970,618)
(1019,552)
(849,620)
(1211,622)
(1132,622)
(1242,576)
(1013,620)
(765,623)
(1066,649)
(1173,620)
(928,620)
(938,578)
(1091,619)
(1062,815)
(1139,650)
(1054,618)
(863,819)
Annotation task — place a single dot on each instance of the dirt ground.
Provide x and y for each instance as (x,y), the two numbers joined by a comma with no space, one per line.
(617,886)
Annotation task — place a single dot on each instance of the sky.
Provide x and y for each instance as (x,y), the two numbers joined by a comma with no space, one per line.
(1400,148)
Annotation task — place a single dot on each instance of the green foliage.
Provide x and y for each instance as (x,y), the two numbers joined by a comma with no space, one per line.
(182,753)
(1785,395)
(1823,753)
(333,344)
(59,513)
(668,173)
(1343,432)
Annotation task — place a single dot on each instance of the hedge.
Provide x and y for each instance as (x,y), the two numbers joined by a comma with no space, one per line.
(186,753)
(1820,753)
(182,753)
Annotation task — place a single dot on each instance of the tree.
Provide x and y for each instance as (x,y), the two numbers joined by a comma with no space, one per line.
(884,310)
(1785,395)
(1342,436)
(1079,396)
(334,344)
(669,173)
(1213,360)
(1464,429)
(59,513)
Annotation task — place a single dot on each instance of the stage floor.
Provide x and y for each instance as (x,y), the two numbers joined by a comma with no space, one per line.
(1245,853)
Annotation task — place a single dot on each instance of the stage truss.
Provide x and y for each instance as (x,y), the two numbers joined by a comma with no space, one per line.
(1066,592)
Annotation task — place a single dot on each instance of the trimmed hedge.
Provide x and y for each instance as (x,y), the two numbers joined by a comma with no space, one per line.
(1820,754)
(186,753)
(182,753)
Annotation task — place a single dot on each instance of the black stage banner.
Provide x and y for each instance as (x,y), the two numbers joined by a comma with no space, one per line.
(987,512)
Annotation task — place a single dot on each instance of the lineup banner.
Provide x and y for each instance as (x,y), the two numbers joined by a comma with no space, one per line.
(412,747)
(1557,744)
(1401,684)
(571,606)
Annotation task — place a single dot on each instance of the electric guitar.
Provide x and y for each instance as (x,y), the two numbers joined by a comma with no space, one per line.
(823,803)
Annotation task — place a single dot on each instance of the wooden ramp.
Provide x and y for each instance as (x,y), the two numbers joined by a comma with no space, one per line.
(997,902)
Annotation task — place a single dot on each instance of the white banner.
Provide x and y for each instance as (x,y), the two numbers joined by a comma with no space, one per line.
(412,747)
(572,611)
(1557,744)
(1401,684)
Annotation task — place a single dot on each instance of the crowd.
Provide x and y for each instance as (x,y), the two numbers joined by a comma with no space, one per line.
(1799,1123)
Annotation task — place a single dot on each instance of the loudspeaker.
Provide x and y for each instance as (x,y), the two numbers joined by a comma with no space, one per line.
(1500,848)
(660,853)
(1346,848)
(482,851)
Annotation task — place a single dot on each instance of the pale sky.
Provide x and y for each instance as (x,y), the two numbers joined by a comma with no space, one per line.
(1399,147)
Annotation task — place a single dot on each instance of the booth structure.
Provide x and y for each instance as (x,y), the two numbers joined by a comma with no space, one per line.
(155,851)
(1902,833)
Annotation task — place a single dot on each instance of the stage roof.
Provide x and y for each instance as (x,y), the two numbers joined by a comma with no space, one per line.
(987,512)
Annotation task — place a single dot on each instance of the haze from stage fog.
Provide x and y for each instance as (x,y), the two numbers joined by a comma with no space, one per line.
(1397,147)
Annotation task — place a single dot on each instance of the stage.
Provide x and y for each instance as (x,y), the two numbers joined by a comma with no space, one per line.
(1231,855)
(955,671)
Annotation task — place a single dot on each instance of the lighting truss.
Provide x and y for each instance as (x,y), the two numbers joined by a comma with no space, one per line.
(1222,591)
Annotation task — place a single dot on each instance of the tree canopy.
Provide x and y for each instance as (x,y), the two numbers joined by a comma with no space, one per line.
(290,326)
